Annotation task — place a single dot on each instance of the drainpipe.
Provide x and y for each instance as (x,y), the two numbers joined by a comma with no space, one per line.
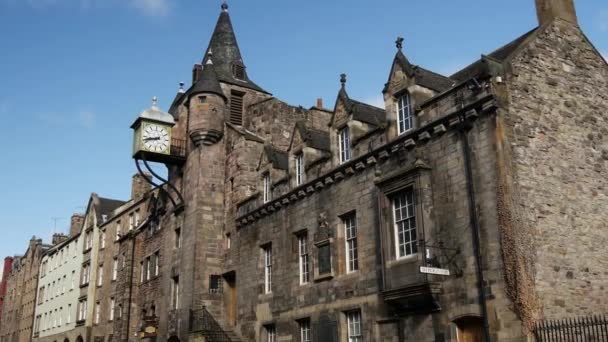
(475,225)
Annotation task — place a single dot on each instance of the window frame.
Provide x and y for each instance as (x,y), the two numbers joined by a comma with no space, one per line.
(304,258)
(267,259)
(266,187)
(405,113)
(344,144)
(351,243)
(300,174)
(354,328)
(397,231)
(305,330)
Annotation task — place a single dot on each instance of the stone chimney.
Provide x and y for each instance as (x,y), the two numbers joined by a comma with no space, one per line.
(139,186)
(59,238)
(76,223)
(548,10)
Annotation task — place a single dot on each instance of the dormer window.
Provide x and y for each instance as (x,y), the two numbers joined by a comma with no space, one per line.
(344,142)
(299,169)
(405,114)
(267,190)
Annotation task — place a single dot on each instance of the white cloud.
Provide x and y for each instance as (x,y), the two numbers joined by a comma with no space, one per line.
(375,100)
(87,119)
(152,7)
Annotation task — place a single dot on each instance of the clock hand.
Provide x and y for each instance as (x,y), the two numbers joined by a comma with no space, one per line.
(148,139)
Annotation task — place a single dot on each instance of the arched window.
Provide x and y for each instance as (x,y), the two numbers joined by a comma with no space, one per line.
(405,113)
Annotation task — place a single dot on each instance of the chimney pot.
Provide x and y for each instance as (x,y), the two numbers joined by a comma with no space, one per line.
(319,103)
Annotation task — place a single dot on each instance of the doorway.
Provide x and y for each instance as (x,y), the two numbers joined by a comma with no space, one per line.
(230,281)
(469,329)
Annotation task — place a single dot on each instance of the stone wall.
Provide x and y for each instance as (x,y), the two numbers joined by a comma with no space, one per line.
(556,129)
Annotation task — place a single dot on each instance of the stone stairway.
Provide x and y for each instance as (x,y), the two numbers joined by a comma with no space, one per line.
(229,330)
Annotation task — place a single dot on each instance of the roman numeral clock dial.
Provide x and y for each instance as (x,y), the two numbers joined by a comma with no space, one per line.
(155,138)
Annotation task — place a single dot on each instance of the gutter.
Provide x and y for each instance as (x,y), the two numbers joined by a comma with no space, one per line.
(475,226)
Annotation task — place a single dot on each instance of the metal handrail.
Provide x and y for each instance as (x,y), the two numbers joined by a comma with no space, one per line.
(201,321)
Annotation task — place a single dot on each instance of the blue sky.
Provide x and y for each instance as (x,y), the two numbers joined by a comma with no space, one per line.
(75,73)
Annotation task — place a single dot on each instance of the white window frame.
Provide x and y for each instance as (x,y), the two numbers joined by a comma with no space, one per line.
(118,231)
(156,264)
(178,238)
(344,144)
(354,326)
(267,253)
(305,332)
(175,293)
(267,191)
(300,174)
(304,259)
(97,312)
(114,268)
(131,221)
(112,307)
(100,276)
(271,333)
(137,218)
(404,223)
(351,243)
(405,113)
(103,239)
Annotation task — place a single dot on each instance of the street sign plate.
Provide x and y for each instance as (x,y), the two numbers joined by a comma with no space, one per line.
(434,270)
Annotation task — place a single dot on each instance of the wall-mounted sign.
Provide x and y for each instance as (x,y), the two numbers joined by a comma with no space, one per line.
(434,270)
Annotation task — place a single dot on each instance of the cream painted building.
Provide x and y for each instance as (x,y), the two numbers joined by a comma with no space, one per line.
(58,289)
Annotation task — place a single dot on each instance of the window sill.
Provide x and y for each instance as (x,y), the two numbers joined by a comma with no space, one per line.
(410,259)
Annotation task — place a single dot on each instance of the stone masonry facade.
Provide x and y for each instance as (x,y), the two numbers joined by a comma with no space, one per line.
(284,223)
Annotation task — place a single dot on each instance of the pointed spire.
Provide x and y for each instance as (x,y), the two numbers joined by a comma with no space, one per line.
(226,54)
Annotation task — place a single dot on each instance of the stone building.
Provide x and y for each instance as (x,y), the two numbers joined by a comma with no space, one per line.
(339,224)
(110,309)
(8,262)
(19,301)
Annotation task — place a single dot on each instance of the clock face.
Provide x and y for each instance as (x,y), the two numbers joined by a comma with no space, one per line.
(155,138)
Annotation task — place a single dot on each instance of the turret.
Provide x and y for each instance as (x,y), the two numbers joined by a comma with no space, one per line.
(206,104)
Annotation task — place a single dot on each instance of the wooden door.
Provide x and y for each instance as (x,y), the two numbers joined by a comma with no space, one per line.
(231,297)
(470,329)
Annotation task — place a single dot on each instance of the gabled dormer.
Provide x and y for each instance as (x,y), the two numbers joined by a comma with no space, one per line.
(308,148)
(408,86)
(352,122)
(273,169)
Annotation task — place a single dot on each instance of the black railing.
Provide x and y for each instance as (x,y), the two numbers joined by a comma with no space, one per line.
(178,147)
(201,321)
(584,329)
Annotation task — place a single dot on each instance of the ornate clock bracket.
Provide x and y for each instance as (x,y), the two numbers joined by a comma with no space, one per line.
(177,205)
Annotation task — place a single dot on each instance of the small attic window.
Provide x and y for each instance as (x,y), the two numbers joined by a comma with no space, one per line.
(238,70)
(405,114)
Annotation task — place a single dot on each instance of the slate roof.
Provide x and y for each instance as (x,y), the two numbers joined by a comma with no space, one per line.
(278,158)
(207,82)
(362,111)
(223,49)
(424,77)
(106,207)
(478,67)
(314,138)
